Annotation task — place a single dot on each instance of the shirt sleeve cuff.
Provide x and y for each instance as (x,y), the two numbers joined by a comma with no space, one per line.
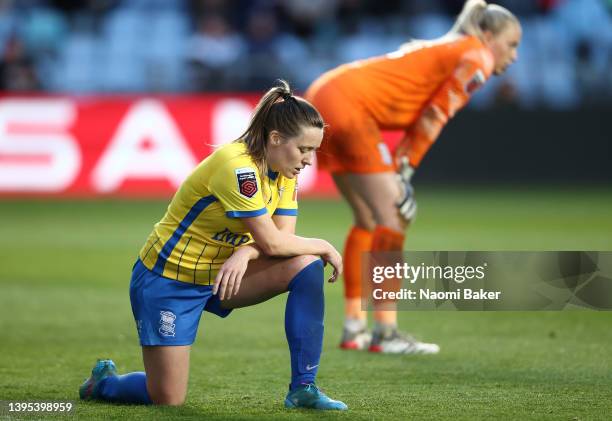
(245,214)
(286,212)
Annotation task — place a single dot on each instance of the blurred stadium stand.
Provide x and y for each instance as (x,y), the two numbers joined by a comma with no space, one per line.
(99,46)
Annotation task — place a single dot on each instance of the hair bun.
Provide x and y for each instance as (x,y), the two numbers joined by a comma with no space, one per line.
(286,95)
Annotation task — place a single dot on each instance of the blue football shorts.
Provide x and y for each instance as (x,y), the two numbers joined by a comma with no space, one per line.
(166,311)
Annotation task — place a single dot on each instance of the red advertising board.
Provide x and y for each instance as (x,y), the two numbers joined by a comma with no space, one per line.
(119,146)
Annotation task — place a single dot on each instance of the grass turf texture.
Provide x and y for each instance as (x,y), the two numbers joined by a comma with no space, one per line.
(64,277)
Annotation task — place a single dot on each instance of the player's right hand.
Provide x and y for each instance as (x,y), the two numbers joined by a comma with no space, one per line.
(407,205)
(331,256)
(229,277)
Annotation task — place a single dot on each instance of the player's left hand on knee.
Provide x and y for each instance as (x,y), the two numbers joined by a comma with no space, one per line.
(334,258)
(407,205)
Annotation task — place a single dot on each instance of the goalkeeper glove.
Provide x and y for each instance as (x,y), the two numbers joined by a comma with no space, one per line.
(407,204)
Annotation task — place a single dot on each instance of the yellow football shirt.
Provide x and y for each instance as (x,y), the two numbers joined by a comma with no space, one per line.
(202,226)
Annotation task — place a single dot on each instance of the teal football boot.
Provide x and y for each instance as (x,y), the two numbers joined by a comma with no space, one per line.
(102,370)
(311,397)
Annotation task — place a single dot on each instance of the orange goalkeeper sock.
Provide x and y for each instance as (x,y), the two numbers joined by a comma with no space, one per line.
(386,239)
(358,242)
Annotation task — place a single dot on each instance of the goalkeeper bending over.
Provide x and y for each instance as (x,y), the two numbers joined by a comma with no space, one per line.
(416,89)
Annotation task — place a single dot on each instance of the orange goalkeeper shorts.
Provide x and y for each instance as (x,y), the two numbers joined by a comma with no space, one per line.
(353,141)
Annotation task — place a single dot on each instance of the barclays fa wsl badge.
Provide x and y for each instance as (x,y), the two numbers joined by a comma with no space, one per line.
(166,323)
(247,181)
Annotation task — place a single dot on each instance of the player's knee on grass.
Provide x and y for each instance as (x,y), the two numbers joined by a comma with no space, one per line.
(162,391)
(167,394)
(167,371)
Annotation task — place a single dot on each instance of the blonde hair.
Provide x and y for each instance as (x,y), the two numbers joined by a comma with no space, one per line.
(477,16)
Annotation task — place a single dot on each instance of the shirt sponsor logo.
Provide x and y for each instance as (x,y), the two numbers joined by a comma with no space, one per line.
(232,238)
(247,182)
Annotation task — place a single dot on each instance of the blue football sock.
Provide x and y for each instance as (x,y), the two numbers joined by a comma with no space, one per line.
(304,323)
(127,388)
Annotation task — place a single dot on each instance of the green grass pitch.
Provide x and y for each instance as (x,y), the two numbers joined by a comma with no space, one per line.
(64,274)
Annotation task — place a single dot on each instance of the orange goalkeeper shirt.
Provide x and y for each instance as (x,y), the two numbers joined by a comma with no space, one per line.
(417,88)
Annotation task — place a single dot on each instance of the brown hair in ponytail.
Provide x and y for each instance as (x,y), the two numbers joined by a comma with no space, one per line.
(277,110)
